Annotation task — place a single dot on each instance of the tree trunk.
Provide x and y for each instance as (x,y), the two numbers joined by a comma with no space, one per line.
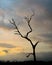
(34,55)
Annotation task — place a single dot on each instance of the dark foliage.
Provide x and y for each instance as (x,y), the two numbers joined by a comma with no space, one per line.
(27,62)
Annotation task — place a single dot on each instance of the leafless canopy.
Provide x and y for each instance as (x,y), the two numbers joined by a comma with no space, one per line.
(28,19)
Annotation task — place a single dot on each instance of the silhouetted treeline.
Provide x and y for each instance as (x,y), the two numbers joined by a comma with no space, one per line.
(27,62)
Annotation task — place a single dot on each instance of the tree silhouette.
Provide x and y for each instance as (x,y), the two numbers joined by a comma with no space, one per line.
(28,19)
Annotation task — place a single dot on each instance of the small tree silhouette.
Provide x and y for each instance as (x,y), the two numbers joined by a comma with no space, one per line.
(28,19)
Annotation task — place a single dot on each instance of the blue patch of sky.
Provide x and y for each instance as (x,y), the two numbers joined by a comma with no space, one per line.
(9,4)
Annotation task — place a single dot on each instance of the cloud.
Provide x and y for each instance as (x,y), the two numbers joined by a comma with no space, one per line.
(5,51)
(45,5)
(41,23)
(6,45)
(43,11)
(47,37)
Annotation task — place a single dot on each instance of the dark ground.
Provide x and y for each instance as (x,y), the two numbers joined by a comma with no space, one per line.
(27,62)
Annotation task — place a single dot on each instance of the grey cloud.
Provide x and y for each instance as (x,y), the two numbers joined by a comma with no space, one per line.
(43,19)
(6,45)
(46,37)
(4,25)
(46,4)
(6,16)
(25,4)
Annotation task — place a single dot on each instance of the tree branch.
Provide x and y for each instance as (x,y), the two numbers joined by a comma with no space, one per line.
(28,21)
(29,54)
(30,29)
(13,23)
(36,43)
(26,36)
(29,40)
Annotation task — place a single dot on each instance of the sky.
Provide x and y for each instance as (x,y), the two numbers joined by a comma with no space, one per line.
(41,23)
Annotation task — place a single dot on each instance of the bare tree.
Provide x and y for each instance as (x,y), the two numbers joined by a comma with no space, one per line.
(28,19)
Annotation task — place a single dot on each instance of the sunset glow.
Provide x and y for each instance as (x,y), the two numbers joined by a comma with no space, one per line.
(10,43)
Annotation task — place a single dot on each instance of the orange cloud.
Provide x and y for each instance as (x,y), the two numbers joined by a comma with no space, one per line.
(10,50)
(1,51)
(16,50)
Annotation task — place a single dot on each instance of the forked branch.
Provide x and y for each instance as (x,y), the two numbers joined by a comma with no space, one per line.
(29,54)
(28,22)
(13,23)
(36,43)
